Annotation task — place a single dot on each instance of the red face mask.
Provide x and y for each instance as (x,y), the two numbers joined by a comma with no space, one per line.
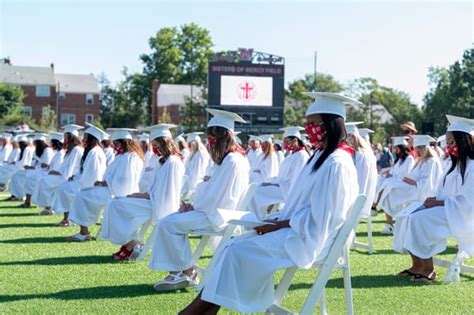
(288,146)
(452,150)
(315,134)
(118,150)
(156,150)
(212,141)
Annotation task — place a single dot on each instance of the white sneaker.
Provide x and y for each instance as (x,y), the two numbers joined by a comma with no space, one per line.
(136,251)
(373,213)
(177,281)
(388,229)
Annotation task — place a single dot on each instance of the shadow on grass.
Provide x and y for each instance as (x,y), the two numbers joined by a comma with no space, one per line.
(32,214)
(36,240)
(103,292)
(374,234)
(25,225)
(78,260)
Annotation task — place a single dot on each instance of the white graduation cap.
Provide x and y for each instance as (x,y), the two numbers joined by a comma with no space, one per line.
(57,136)
(223,119)
(96,132)
(442,141)
(329,103)
(40,137)
(6,136)
(121,133)
(72,129)
(279,142)
(351,127)
(266,138)
(160,130)
(460,124)
(255,138)
(180,138)
(365,132)
(194,136)
(422,140)
(294,131)
(399,141)
(22,138)
(144,138)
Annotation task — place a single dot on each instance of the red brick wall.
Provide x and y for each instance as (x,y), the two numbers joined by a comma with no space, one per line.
(37,103)
(76,104)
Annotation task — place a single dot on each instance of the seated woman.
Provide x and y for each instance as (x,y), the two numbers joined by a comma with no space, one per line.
(228,183)
(44,190)
(419,184)
(276,190)
(267,165)
(124,216)
(92,169)
(366,166)
(241,274)
(43,156)
(424,232)
(197,164)
(402,167)
(108,149)
(120,179)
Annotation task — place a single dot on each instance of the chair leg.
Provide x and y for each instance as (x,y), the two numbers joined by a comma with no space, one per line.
(284,285)
(147,246)
(347,282)
(322,303)
(200,248)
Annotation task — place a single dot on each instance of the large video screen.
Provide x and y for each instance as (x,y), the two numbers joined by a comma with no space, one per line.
(246,91)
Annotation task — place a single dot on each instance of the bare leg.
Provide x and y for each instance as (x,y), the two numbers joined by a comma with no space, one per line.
(389,219)
(198,306)
(84,230)
(28,200)
(428,267)
(417,264)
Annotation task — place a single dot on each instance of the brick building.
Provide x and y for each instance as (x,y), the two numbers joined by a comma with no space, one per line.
(74,97)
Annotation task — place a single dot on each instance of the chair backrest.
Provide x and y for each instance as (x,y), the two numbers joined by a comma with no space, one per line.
(245,200)
(335,252)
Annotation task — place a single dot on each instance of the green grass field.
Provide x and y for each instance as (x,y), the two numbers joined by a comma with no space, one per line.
(41,273)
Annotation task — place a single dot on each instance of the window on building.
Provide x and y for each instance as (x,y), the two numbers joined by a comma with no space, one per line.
(43,91)
(89,99)
(62,95)
(90,118)
(67,119)
(27,111)
(45,111)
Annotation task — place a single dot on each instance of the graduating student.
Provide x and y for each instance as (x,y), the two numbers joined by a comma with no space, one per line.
(278,187)
(183,147)
(43,156)
(241,275)
(254,151)
(147,150)
(228,183)
(267,165)
(108,149)
(24,160)
(419,184)
(120,179)
(402,167)
(92,169)
(6,148)
(124,216)
(278,147)
(365,134)
(152,163)
(449,213)
(366,166)
(197,164)
(44,191)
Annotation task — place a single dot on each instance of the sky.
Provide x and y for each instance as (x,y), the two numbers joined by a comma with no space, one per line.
(394,42)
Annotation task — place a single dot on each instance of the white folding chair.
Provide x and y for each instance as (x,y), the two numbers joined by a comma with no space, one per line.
(455,268)
(370,241)
(332,261)
(206,235)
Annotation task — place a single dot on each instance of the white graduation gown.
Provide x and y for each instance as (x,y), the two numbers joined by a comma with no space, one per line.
(268,195)
(124,216)
(47,185)
(398,171)
(281,156)
(366,166)
(427,175)
(122,176)
(195,171)
(253,157)
(425,233)
(148,156)
(228,182)
(7,149)
(24,181)
(93,170)
(241,276)
(185,152)
(8,170)
(109,154)
(267,167)
(148,174)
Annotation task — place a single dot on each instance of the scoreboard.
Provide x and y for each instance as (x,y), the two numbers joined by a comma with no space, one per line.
(250,84)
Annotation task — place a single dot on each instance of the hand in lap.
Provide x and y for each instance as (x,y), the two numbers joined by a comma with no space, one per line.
(185,207)
(139,196)
(409,181)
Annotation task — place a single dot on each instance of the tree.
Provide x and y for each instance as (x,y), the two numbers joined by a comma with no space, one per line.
(296,102)
(11,98)
(194,113)
(451,92)
(48,120)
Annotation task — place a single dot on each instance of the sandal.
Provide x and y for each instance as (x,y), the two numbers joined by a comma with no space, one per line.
(422,278)
(64,223)
(136,251)
(176,281)
(23,206)
(406,273)
(123,255)
(79,237)
(46,212)
(119,251)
